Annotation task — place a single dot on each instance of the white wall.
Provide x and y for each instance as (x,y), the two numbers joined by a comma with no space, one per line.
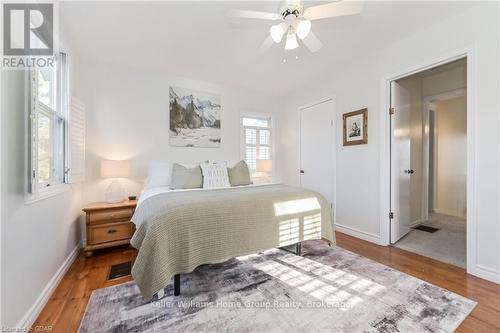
(38,237)
(450,146)
(358,84)
(128,118)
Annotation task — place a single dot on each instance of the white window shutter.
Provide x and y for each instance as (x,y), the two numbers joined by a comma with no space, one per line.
(76,151)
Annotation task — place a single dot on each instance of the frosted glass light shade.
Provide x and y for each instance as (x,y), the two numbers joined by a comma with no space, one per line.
(291,41)
(114,169)
(277,31)
(303,28)
(264,166)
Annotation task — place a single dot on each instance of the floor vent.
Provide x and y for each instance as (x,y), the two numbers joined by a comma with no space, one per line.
(120,270)
(426,228)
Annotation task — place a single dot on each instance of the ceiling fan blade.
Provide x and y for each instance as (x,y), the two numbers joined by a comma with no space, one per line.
(312,42)
(266,44)
(333,9)
(252,14)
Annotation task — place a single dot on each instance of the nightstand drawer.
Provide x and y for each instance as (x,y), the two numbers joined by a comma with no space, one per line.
(108,215)
(110,232)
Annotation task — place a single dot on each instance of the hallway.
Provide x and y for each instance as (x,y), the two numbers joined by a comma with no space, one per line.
(448,244)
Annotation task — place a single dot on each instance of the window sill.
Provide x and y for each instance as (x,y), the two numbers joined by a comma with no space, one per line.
(46,193)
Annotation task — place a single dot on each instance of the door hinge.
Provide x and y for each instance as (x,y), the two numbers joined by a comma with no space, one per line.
(331,122)
(33,174)
(392,111)
(391,215)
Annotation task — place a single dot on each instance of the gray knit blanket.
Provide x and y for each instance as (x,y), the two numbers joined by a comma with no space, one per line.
(181,230)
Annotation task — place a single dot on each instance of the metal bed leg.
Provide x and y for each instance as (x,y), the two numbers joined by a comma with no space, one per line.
(177,284)
(298,249)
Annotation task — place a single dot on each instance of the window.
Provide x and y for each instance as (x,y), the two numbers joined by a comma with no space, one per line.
(48,127)
(257,141)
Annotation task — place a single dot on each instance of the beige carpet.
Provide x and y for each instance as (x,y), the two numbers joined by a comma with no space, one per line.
(448,244)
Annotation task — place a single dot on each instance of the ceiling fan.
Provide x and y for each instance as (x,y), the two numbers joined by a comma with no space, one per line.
(296,21)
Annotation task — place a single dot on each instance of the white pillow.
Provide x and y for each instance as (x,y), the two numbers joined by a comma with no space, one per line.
(215,175)
(159,174)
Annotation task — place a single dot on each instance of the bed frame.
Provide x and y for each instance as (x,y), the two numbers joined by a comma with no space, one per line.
(177,277)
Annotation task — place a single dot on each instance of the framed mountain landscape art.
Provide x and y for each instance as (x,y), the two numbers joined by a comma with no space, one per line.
(355,127)
(194,118)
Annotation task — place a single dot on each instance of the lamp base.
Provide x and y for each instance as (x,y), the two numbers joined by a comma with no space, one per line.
(115,192)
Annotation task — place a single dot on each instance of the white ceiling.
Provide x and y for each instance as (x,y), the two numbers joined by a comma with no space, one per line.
(197,40)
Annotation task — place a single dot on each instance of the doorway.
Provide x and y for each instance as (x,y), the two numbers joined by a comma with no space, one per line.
(317,148)
(428,152)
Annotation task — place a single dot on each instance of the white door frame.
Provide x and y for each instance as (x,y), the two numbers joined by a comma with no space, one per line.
(334,158)
(385,136)
(428,105)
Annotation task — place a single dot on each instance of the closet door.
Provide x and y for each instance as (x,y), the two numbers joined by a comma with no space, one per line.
(317,148)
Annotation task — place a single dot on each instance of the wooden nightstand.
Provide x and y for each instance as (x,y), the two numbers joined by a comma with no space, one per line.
(108,225)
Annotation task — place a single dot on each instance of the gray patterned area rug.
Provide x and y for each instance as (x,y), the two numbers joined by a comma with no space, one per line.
(325,290)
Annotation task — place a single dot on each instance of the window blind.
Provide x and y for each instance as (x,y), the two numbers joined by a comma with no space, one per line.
(257,140)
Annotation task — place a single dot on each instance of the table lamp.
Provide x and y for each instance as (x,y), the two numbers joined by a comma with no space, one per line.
(264,167)
(115,169)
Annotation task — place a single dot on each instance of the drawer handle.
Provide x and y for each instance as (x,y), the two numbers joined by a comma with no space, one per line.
(111,231)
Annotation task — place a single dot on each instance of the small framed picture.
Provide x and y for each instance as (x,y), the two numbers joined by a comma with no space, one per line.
(356,127)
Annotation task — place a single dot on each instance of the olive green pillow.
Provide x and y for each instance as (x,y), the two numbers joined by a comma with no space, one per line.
(239,174)
(184,177)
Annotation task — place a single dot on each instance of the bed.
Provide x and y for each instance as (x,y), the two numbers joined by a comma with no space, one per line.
(179,230)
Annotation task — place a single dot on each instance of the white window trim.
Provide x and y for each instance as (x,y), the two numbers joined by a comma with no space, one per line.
(272,129)
(47,192)
(40,192)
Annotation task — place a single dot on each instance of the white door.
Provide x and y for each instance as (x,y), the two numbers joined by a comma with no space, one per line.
(400,162)
(316,148)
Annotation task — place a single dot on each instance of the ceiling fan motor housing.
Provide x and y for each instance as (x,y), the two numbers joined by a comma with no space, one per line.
(290,16)
(291,10)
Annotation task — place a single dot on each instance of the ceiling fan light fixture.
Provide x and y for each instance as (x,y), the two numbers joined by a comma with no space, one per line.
(277,31)
(291,41)
(303,28)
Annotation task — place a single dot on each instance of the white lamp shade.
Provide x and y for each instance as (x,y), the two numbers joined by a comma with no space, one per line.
(277,31)
(114,169)
(264,166)
(303,28)
(291,41)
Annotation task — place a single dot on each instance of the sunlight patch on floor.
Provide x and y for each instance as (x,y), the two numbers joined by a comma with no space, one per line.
(337,276)
(310,285)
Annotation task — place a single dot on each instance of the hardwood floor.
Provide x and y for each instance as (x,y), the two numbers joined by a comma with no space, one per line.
(67,305)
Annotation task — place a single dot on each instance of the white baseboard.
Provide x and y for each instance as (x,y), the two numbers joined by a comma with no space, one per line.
(415,223)
(32,314)
(358,233)
(487,273)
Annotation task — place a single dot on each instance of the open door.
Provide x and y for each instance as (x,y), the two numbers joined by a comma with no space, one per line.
(400,162)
